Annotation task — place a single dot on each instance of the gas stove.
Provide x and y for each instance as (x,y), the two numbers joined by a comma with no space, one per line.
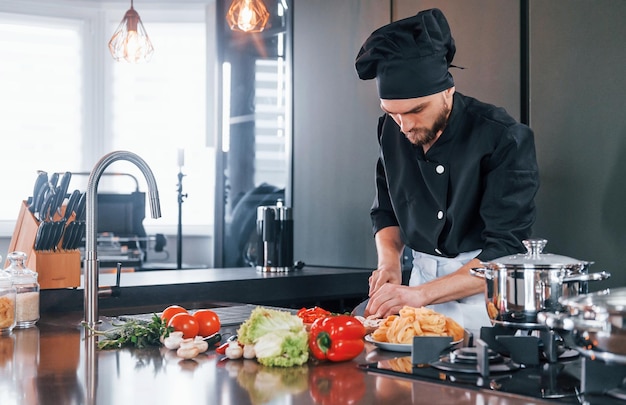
(532,363)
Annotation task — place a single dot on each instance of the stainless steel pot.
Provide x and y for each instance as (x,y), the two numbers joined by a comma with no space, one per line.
(523,285)
(597,322)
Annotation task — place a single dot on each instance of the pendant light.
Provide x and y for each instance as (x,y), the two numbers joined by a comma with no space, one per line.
(130,40)
(247,15)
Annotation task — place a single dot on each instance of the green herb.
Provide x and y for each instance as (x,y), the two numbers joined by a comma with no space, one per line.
(132,333)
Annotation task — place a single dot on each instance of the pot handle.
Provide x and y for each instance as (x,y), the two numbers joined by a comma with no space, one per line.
(481,272)
(602,275)
(568,322)
(560,321)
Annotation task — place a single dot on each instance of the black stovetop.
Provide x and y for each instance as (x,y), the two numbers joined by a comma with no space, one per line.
(570,378)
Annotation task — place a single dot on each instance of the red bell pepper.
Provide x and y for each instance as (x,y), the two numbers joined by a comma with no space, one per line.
(336,338)
(310,315)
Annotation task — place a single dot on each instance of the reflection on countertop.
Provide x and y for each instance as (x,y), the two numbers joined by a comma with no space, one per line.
(53,363)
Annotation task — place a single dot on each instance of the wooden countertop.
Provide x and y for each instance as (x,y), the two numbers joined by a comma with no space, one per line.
(53,363)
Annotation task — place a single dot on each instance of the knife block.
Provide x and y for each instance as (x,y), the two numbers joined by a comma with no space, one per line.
(56,269)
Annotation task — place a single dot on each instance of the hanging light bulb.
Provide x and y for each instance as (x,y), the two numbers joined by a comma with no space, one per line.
(247,15)
(130,40)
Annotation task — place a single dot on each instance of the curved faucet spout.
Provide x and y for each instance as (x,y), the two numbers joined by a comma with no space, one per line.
(91,265)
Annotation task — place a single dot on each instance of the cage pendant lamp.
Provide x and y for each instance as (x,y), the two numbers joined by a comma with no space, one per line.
(247,15)
(130,41)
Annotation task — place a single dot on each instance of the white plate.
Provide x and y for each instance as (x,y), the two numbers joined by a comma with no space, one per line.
(396,347)
(392,347)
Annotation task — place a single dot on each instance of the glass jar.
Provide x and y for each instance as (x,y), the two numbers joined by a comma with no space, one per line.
(27,290)
(7,303)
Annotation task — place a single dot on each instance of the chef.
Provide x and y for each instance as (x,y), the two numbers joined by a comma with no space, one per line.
(455,178)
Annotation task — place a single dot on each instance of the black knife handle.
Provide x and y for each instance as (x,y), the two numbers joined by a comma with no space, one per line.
(72,204)
(40,183)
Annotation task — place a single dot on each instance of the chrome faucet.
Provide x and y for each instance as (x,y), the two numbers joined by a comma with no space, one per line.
(91,264)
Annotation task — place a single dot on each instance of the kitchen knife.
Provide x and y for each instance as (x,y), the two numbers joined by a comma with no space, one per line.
(68,235)
(72,202)
(39,199)
(77,226)
(44,210)
(39,236)
(57,228)
(53,180)
(43,232)
(61,192)
(57,232)
(40,182)
(80,207)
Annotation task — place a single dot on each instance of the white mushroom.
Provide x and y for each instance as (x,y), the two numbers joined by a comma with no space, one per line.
(188,349)
(248,352)
(173,341)
(234,351)
(201,344)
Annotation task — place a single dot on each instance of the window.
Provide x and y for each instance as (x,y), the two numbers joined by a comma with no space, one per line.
(41,99)
(159,108)
(271,144)
(64,103)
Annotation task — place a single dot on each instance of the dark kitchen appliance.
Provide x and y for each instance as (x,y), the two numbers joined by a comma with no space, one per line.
(240,239)
(122,237)
(274,238)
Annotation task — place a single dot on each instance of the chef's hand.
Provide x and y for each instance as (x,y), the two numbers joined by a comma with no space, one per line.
(385,273)
(389,247)
(390,298)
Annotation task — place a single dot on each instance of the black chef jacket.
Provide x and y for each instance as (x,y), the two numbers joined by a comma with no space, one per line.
(473,189)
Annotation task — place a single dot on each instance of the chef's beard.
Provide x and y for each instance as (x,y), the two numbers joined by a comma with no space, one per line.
(424,136)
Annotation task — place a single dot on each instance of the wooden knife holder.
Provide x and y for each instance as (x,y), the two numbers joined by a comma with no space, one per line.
(56,269)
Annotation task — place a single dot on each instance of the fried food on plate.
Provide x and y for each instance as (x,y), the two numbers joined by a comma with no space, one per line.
(411,322)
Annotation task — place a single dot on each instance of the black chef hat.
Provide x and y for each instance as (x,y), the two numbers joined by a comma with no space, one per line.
(409,58)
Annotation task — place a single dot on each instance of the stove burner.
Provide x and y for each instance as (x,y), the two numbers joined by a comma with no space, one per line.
(529,348)
(465,360)
(470,354)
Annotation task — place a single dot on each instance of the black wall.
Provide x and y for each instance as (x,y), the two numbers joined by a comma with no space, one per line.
(577,57)
(577,111)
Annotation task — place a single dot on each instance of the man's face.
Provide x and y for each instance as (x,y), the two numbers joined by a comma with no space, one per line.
(421,119)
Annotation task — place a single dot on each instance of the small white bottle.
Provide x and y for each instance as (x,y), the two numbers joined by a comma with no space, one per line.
(26,288)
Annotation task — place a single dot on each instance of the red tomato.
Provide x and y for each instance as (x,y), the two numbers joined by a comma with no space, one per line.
(172,310)
(186,323)
(208,321)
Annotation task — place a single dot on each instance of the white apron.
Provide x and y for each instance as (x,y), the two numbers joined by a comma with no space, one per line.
(469,312)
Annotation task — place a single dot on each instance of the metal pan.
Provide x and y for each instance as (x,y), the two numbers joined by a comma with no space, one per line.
(597,322)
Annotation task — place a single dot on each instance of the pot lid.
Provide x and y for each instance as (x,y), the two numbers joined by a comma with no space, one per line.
(534,258)
(611,301)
